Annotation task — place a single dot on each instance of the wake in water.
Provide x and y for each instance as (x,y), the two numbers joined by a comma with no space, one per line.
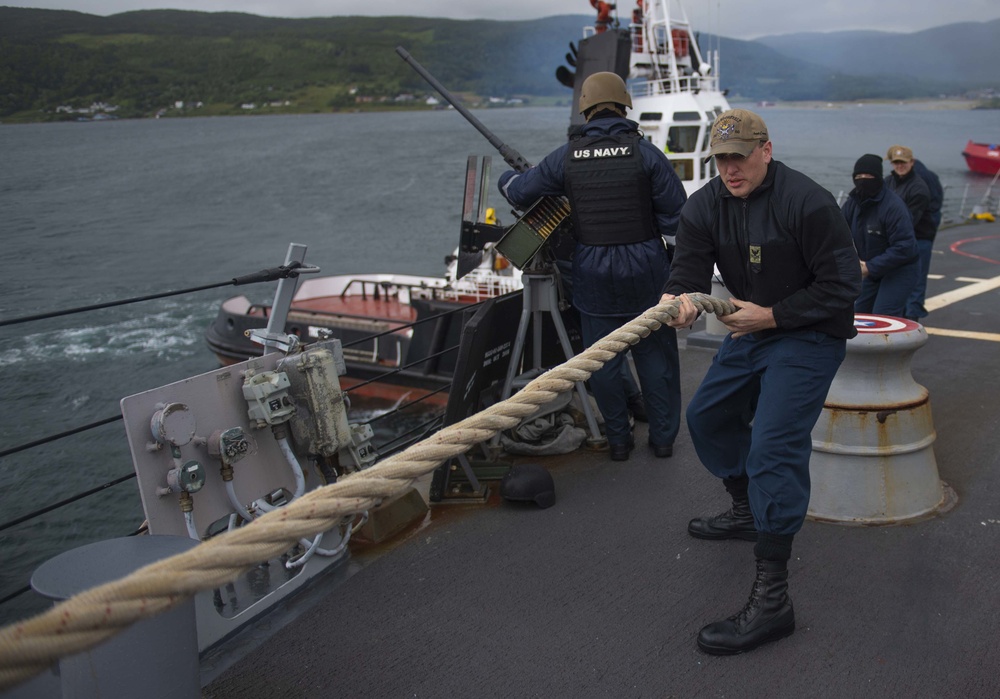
(366,414)
(173,332)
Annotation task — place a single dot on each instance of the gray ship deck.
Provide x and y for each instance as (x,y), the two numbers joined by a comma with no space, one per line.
(602,595)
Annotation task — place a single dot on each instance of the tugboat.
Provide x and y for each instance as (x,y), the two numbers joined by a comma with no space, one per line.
(402,329)
(386,322)
(674,86)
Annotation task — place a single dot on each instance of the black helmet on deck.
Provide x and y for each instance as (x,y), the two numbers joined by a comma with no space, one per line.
(529,482)
(603,87)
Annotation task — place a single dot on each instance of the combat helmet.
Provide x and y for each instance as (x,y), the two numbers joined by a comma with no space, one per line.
(529,482)
(603,87)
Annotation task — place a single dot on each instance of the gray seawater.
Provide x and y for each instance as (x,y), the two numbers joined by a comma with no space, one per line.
(93,212)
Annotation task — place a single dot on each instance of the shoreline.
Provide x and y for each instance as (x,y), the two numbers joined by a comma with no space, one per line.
(942,104)
(946,103)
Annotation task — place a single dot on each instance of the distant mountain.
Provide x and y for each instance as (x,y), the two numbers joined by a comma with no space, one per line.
(753,70)
(967,53)
(162,61)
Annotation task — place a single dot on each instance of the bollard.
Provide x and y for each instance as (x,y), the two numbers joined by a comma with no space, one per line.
(156,657)
(873,458)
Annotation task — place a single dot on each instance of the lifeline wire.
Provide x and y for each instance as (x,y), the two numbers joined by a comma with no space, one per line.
(400,327)
(54,437)
(265,275)
(67,501)
(411,403)
(397,370)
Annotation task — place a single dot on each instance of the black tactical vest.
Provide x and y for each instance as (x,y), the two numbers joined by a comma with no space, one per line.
(609,191)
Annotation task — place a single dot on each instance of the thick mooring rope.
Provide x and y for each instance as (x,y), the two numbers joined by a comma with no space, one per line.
(89,618)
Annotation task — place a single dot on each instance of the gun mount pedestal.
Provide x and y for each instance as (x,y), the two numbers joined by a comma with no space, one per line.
(541,296)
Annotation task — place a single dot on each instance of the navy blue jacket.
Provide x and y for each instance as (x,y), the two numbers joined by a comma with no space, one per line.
(610,280)
(933,183)
(807,270)
(882,231)
(917,196)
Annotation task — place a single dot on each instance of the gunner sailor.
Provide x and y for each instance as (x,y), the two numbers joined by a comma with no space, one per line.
(624,197)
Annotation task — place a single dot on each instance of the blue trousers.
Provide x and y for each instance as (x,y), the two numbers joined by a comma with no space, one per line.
(566,278)
(889,295)
(754,413)
(915,304)
(658,365)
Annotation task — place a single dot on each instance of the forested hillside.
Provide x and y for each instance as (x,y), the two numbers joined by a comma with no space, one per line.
(143,61)
(173,62)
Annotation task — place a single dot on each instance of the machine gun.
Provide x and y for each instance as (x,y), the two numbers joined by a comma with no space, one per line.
(528,234)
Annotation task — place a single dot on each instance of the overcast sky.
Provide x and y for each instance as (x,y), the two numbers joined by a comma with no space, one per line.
(741,19)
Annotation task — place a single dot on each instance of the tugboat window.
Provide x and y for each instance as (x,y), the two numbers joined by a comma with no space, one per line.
(683,139)
(687,116)
(651,116)
(684,168)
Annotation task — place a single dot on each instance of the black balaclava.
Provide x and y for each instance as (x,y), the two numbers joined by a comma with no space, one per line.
(871,165)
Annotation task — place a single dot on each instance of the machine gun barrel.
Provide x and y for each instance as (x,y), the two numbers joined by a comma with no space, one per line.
(510,156)
(526,237)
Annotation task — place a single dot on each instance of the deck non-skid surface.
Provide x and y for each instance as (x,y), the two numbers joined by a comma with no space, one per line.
(602,595)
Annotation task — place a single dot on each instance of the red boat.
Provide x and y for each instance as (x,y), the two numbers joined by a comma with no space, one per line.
(983,158)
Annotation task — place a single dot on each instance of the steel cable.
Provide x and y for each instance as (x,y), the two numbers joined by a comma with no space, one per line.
(54,437)
(265,275)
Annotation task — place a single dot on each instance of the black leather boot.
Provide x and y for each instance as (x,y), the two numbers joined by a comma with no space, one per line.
(767,616)
(736,523)
(620,452)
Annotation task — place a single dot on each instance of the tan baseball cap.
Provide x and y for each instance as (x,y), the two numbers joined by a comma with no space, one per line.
(737,131)
(899,154)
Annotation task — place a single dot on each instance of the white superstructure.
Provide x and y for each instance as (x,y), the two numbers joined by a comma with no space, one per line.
(674,86)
